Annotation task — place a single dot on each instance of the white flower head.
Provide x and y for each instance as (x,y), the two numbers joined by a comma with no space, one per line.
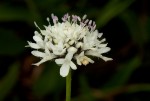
(72,39)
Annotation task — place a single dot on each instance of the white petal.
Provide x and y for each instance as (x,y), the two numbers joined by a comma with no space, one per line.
(102,45)
(37,38)
(59,52)
(60,45)
(90,60)
(51,46)
(78,62)
(48,45)
(27,46)
(37,34)
(92,53)
(72,50)
(34,45)
(81,54)
(99,35)
(59,61)
(47,51)
(73,66)
(79,44)
(41,44)
(44,32)
(64,70)
(42,61)
(103,40)
(38,54)
(105,58)
(69,56)
(104,50)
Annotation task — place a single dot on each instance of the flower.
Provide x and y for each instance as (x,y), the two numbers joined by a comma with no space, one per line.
(82,59)
(44,55)
(66,64)
(72,39)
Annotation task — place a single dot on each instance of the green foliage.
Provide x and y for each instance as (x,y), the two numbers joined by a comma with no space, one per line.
(121,77)
(123,74)
(85,89)
(15,14)
(137,26)
(9,80)
(50,81)
(10,44)
(111,10)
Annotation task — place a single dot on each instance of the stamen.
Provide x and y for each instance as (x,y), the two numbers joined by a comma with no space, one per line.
(74,18)
(86,21)
(65,17)
(37,25)
(84,16)
(90,22)
(55,18)
(48,20)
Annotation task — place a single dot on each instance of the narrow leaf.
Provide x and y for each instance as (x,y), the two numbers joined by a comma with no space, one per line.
(9,80)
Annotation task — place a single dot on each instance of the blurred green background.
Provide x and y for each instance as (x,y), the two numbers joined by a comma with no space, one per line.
(126,26)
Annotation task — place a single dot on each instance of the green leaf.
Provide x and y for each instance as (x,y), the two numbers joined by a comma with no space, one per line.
(9,80)
(123,74)
(148,27)
(111,10)
(10,44)
(85,89)
(137,29)
(138,88)
(8,13)
(49,82)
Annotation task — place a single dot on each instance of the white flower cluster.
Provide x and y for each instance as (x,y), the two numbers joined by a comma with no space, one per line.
(74,38)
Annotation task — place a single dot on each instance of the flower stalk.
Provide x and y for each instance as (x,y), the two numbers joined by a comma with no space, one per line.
(68,87)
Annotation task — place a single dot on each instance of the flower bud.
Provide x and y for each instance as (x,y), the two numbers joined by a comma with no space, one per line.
(72,49)
(85,61)
(71,42)
(79,44)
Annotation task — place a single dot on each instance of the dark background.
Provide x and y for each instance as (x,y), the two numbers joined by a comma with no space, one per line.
(126,26)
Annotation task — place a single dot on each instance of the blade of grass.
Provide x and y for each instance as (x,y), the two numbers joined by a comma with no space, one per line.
(111,10)
(9,80)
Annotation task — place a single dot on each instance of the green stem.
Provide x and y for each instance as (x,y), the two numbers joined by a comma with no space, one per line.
(68,87)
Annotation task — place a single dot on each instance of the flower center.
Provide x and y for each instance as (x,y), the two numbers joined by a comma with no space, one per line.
(85,62)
